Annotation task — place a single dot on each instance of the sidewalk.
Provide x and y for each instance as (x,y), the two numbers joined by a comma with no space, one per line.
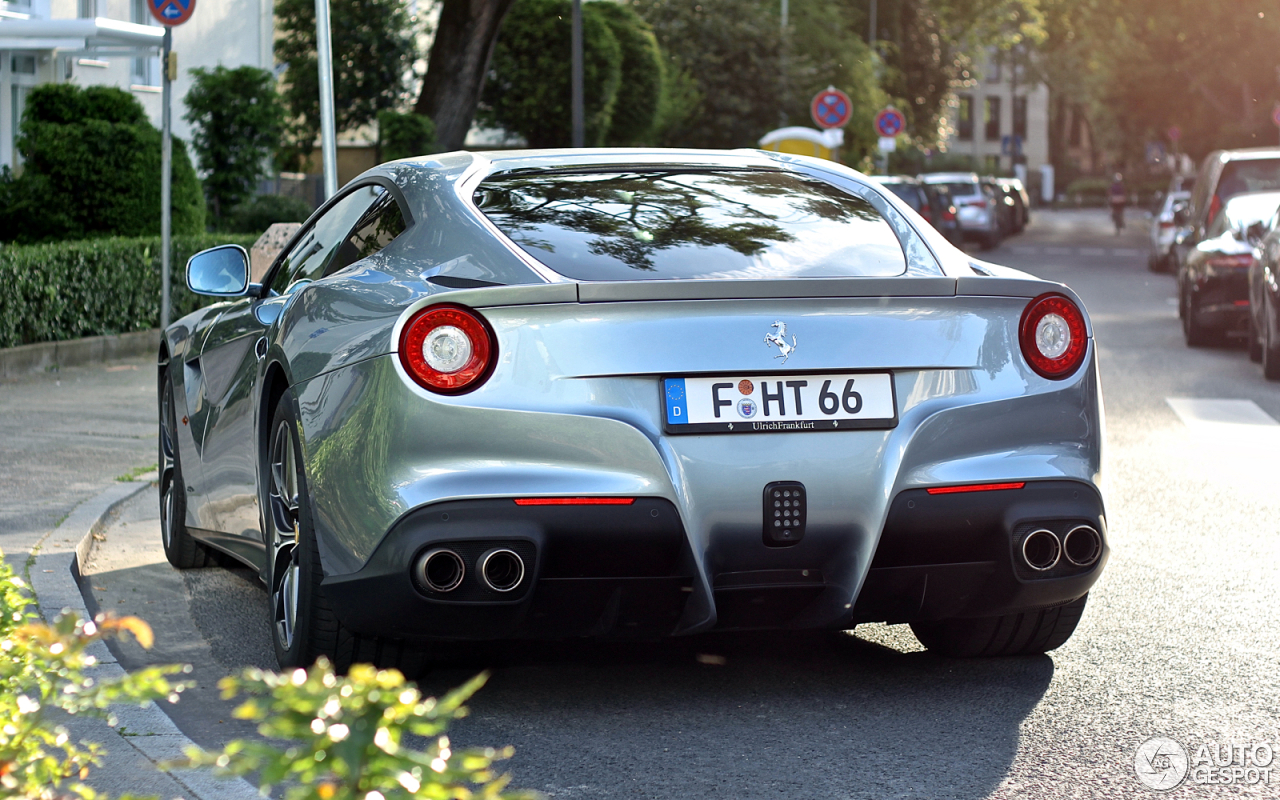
(143,737)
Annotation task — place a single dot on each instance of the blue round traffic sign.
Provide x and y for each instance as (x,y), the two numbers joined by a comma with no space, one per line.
(831,108)
(171,12)
(890,122)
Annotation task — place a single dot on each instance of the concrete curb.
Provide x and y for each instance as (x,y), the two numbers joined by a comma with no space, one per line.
(47,356)
(152,735)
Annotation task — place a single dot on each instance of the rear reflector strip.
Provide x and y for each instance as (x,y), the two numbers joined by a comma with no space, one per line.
(574,501)
(976,487)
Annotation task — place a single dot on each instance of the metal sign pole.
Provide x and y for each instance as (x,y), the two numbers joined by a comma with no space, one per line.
(324,53)
(576,101)
(166,177)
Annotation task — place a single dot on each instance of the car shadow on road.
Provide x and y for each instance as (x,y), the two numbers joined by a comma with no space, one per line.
(751,715)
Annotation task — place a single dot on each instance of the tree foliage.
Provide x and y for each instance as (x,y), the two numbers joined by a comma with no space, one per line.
(236,117)
(373,55)
(527,90)
(640,92)
(92,168)
(404,135)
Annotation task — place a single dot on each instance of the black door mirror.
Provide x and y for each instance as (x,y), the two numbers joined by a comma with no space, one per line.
(219,271)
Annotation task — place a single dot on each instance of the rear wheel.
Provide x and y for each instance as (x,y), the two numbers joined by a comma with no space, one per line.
(182,550)
(1255,340)
(1193,330)
(1270,342)
(1029,633)
(303,623)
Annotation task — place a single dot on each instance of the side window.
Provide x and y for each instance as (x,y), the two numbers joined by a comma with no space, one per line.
(383,222)
(309,258)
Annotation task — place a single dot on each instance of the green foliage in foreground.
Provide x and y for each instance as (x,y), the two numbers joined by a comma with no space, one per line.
(346,737)
(43,667)
(67,290)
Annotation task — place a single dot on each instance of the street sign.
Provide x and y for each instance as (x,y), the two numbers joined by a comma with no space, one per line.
(171,12)
(888,144)
(1174,133)
(890,122)
(831,108)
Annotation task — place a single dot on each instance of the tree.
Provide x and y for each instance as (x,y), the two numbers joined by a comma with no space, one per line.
(640,92)
(404,136)
(92,168)
(237,119)
(456,69)
(528,86)
(374,51)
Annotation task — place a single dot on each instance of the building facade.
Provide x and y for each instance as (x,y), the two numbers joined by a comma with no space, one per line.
(1002,118)
(116,43)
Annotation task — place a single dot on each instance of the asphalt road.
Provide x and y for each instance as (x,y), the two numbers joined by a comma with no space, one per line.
(1179,639)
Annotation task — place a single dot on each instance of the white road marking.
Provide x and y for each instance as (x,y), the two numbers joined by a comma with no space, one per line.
(1125,251)
(1232,442)
(1058,251)
(1093,251)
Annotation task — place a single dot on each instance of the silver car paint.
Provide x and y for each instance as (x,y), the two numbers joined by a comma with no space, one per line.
(573,406)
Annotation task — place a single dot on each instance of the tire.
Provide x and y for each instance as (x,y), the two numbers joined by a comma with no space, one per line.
(1255,340)
(1194,331)
(304,626)
(182,550)
(1270,342)
(1026,634)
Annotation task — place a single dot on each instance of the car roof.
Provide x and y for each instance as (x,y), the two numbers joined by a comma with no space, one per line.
(1249,154)
(949,177)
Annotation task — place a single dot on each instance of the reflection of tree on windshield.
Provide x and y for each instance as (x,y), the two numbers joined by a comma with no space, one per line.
(634,215)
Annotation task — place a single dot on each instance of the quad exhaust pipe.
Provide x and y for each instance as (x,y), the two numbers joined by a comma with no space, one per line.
(1082,546)
(440,570)
(501,569)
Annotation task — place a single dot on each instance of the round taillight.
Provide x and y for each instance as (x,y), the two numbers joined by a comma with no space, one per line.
(1052,336)
(447,349)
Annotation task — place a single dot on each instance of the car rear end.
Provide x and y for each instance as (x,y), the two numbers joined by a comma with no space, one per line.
(730,419)
(977,211)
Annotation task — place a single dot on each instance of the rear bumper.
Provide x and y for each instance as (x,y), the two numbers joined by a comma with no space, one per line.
(1222,299)
(627,571)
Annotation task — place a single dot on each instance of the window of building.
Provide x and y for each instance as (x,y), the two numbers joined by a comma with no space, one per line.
(146,70)
(991,119)
(23,65)
(1020,117)
(88,9)
(964,118)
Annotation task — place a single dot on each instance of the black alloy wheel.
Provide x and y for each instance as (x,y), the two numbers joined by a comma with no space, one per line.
(303,624)
(1270,341)
(182,550)
(1025,634)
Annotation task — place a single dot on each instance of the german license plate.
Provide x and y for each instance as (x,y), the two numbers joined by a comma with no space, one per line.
(780,403)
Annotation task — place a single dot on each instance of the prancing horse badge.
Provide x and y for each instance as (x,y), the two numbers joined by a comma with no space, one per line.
(780,339)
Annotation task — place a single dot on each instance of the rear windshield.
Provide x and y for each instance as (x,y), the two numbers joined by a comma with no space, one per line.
(1254,175)
(961,189)
(684,224)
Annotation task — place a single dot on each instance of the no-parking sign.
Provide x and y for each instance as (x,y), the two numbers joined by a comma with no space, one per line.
(831,108)
(890,122)
(171,12)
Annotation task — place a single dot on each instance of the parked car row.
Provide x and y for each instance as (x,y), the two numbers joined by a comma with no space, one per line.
(964,206)
(1224,247)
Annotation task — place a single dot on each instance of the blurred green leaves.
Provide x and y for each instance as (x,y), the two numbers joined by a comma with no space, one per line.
(46,667)
(346,737)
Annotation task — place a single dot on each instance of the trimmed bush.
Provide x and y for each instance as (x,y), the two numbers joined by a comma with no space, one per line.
(405,135)
(261,212)
(635,111)
(92,168)
(68,290)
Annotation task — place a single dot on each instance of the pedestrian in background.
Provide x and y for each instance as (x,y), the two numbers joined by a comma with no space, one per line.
(1118,196)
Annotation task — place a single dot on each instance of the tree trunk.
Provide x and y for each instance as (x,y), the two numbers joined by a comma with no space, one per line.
(465,37)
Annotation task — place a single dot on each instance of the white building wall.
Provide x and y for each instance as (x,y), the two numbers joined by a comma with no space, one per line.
(999,82)
(229,33)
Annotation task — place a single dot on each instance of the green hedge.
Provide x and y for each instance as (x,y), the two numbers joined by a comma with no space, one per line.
(67,290)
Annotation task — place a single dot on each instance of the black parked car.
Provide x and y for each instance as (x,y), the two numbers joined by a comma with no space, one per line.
(934,203)
(1213,287)
(1223,175)
(1264,299)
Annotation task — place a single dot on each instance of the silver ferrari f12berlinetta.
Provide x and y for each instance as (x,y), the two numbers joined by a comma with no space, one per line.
(632,393)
